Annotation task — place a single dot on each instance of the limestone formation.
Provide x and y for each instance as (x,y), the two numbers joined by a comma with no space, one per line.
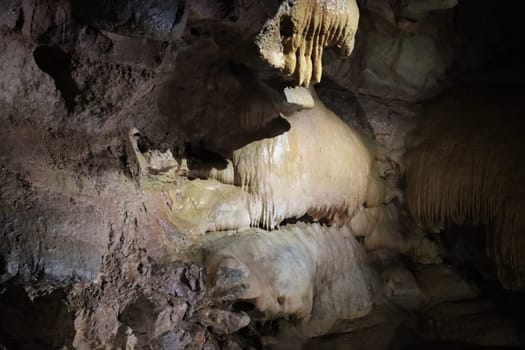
(201,206)
(380,228)
(465,167)
(320,167)
(313,274)
(299,96)
(293,41)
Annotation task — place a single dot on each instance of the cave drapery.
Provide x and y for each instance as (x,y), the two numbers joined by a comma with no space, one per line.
(466,168)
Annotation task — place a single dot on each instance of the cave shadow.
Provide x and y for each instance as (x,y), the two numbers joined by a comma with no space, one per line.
(41,323)
(467,251)
(139,318)
(219,105)
(57,64)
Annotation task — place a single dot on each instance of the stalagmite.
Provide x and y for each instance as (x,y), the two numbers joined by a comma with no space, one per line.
(293,41)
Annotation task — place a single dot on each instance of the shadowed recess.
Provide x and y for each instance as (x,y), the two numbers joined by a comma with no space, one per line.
(57,64)
(467,168)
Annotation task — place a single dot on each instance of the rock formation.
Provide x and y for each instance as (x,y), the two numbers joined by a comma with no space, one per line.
(295,38)
(482,183)
(277,174)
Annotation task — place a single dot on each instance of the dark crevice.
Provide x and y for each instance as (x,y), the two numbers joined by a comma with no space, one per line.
(55,62)
(144,144)
(466,250)
(195,31)
(307,219)
(286,27)
(245,306)
(201,160)
(180,12)
(227,6)
(20,20)
(41,323)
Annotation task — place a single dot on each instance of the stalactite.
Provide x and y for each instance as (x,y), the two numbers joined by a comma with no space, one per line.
(469,169)
(295,38)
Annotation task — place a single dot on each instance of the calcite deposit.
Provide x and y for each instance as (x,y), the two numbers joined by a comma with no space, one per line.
(301,164)
(294,40)
(313,274)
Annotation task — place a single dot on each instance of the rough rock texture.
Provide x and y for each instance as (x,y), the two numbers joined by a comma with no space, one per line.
(116,115)
(161,20)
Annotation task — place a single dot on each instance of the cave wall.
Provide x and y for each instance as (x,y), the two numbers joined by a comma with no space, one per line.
(117,115)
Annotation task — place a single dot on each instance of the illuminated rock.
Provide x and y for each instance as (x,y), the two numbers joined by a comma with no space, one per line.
(293,41)
(200,206)
(320,167)
(314,274)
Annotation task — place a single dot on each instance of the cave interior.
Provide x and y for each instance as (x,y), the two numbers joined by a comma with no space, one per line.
(275,174)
